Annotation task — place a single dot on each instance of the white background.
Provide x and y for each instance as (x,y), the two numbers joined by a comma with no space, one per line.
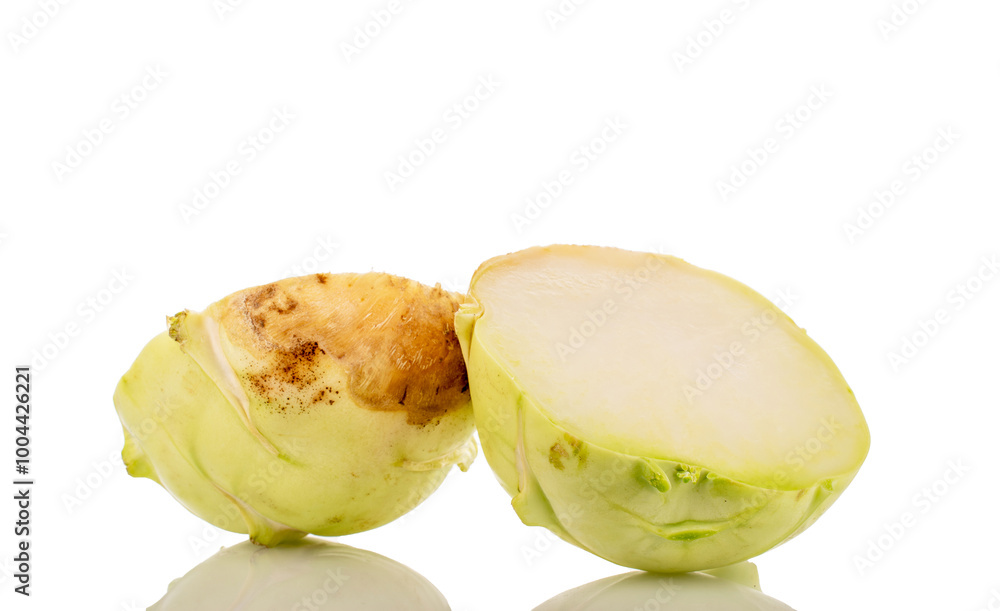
(322,180)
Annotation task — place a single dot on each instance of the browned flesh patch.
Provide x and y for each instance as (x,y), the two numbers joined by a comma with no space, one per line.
(394,337)
(556,455)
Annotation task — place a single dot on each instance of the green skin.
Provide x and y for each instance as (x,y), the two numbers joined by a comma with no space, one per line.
(275,475)
(654,515)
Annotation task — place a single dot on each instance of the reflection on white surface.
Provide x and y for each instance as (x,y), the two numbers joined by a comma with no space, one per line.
(300,576)
(734,588)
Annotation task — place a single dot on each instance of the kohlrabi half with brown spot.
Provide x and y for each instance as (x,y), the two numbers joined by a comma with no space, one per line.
(325,404)
(659,415)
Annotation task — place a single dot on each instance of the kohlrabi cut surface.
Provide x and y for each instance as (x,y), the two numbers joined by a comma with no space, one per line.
(612,344)
(663,416)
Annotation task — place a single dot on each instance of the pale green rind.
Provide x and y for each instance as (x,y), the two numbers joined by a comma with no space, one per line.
(614,505)
(743,573)
(152,413)
(199,337)
(493,424)
(656,515)
(462,457)
(182,432)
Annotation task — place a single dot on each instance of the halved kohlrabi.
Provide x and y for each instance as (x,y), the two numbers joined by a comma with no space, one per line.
(325,404)
(659,415)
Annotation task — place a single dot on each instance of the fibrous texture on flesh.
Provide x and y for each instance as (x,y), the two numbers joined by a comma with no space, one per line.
(659,415)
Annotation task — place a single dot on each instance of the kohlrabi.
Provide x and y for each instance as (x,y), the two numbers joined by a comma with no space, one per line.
(659,415)
(325,404)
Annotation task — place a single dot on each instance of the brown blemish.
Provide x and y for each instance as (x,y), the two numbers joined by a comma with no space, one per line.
(556,455)
(290,305)
(294,367)
(578,448)
(394,338)
(260,295)
(297,366)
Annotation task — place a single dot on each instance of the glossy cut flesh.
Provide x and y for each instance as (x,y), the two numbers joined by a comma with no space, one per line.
(611,343)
